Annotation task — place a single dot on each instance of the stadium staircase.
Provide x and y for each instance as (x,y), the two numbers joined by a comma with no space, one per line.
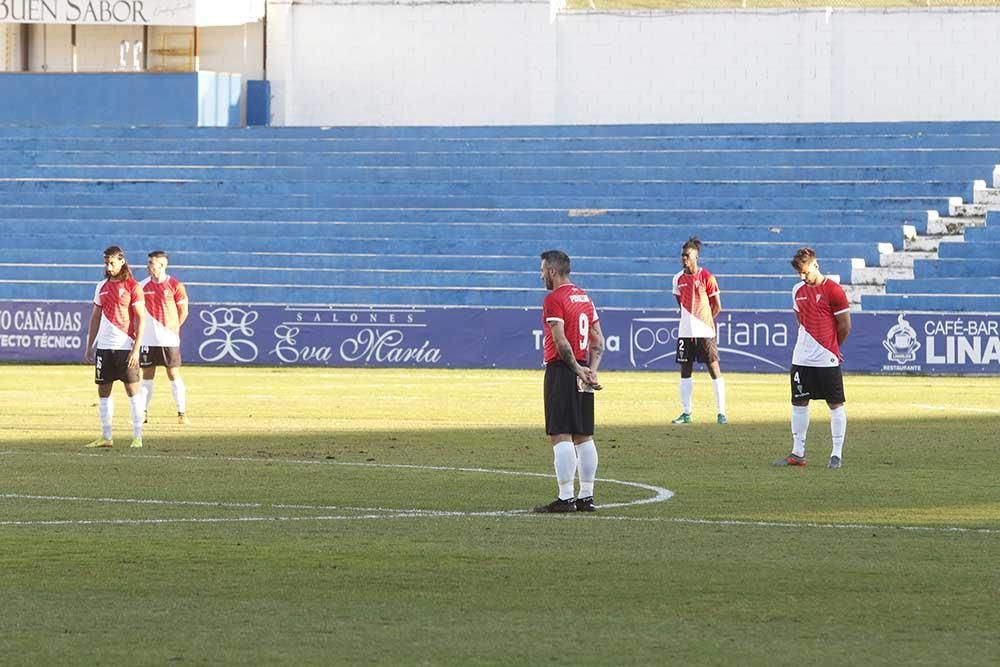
(457,216)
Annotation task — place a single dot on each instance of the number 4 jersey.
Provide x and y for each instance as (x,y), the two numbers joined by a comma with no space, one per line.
(570,305)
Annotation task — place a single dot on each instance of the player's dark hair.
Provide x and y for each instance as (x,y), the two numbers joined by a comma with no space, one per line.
(557,260)
(693,243)
(158,253)
(802,257)
(115,251)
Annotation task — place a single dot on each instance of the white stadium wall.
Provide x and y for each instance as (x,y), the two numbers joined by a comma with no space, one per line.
(339,62)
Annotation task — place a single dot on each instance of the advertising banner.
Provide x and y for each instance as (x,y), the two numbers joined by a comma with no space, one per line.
(507,338)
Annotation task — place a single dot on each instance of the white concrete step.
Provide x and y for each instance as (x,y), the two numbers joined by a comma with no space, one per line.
(854,292)
(904,259)
(984,195)
(930,243)
(960,210)
(940,226)
(877,275)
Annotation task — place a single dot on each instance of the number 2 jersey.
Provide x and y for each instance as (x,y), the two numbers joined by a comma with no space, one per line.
(817,308)
(694,291)
(163,325)
(570,305)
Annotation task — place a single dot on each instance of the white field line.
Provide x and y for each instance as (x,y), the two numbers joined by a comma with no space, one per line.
(956,408)
(660,494)
(511,514)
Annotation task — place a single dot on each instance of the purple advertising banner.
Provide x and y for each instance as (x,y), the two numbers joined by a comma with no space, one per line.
(507,338)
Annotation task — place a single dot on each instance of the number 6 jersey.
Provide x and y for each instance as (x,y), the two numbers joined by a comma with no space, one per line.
(570,305)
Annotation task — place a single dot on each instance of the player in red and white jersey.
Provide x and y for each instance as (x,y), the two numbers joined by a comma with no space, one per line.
(573,347)
(167,303)
(117,323)
(824,317)
(697,294)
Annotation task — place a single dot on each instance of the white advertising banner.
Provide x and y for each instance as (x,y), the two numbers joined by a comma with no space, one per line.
(133,12)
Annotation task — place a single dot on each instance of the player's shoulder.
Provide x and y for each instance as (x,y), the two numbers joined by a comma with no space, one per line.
(831,286)
(145,281)
(797,286)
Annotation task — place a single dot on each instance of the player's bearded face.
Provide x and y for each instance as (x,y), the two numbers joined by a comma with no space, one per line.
(113,265)
(547,277)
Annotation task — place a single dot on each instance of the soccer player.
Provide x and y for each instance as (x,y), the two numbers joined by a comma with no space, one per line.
(116,326)
(824,324)
(167,303)
(697,294)
(572,331)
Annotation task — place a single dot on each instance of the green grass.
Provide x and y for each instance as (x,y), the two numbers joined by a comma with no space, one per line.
(318,560)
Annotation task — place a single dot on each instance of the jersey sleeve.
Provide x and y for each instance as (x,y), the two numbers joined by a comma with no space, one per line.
(180,293)
(712,286)
(138,298)
(795,290)
(552,308)
(676,285)
(838,300)
(97,294)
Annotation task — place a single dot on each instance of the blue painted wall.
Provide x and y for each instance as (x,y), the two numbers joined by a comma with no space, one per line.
(120,98)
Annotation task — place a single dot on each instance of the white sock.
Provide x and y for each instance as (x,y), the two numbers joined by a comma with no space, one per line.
(838,429)
(147,392)
(180,394)
(720,394)
(800,426)
(565,464)
(586,457)
(138,413)
(687,388)
(106,409)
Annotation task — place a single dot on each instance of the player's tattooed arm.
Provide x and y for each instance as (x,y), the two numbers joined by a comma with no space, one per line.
(596,346)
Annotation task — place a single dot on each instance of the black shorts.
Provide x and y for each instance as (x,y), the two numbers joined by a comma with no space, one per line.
(702,350)
(568,409)
(154,355)
(814,383)
(111,365)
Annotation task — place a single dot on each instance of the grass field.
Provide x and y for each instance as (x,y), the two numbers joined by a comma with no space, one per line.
(374,517)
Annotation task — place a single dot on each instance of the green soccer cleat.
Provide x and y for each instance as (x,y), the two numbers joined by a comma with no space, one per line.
(100,443)
(136,443)
(721,419)
(685,418)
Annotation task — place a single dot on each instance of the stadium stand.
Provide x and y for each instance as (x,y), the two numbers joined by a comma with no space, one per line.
(457,216)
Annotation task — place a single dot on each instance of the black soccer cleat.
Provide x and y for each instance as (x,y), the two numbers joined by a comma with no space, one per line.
(557,507)
(585,504)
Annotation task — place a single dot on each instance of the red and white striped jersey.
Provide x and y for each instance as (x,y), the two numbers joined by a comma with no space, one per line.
(163,327)
(117,299)
(817,308)
(694,291)
(570,305)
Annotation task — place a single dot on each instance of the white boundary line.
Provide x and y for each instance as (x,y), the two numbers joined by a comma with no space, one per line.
(660,495)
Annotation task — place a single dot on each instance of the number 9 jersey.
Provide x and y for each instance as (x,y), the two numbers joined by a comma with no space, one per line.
(570,305)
